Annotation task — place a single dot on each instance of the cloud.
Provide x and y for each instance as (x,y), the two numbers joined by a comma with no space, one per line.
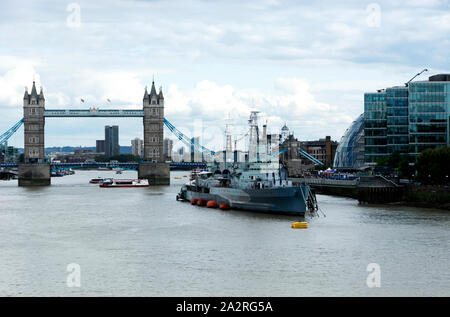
(11,84)
(209,55)
(290,101)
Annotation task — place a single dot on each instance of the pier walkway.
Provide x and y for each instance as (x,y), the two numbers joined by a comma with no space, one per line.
(367,189)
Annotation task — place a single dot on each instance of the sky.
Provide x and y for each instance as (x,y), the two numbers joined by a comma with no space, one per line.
(303,63)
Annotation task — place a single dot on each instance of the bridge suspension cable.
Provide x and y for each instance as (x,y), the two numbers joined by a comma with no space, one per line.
(5,136)
(310,157)
(302,152)
(188,141)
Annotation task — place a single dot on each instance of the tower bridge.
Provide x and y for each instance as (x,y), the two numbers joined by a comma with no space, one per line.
(36,171)
(93,113)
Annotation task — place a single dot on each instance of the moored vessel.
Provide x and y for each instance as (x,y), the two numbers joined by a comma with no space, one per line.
(258,184)
(196,171)
(97,180)
(249,189)
(113,183)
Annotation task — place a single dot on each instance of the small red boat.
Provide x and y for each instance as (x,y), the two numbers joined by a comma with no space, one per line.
(110,182)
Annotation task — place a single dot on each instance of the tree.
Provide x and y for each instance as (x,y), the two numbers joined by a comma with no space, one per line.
(405,169)
(383,161)
(393,160)
(433,166)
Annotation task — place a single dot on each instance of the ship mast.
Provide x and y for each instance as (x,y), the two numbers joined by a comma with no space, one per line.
(253,148)
(228,146)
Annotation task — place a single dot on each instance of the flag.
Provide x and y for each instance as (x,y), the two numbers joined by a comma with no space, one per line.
(82,100)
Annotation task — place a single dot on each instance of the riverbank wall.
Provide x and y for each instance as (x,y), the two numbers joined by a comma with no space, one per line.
(379,190)
(427,196)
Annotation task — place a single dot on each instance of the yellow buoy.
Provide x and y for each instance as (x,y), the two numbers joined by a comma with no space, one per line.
(299,225)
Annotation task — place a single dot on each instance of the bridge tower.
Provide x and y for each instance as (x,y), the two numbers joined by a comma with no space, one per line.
(154,167)
(34,122)
(153,125)
(33,171)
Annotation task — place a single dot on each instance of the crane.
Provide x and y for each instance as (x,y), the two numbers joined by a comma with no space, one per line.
(418,74)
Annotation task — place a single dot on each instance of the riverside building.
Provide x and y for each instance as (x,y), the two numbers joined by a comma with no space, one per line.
(407,119)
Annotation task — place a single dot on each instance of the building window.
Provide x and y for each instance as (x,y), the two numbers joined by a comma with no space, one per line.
(154,127)
(33,152)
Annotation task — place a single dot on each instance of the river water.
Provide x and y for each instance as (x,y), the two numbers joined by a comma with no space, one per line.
(142,242)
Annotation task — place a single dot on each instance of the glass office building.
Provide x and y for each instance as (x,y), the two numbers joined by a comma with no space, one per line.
(375,125)
(397,120)
(407,119)
(429,110)
(350,151)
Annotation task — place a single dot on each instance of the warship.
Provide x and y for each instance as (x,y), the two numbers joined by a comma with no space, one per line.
(260,183)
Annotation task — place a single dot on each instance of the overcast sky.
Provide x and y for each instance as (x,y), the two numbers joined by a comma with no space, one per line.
(306,63)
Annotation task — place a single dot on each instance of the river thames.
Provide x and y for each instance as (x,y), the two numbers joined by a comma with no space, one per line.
(142,242)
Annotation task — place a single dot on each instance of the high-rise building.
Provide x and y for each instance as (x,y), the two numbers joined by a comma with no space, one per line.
(429,111)
(195,156)
(100,146)
(397,119)
(112,140)
(137,147)
(375,125)
(168,148)
(8,154)
(407,119)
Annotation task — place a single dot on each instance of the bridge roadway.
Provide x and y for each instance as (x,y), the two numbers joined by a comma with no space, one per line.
(131,165)
(93,112)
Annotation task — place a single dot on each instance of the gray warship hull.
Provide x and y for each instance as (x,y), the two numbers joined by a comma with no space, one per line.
(277,200)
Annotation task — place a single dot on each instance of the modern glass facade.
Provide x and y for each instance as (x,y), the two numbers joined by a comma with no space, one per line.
(350,151)
(429,110)
(407,119)
(397,120)
(375,125)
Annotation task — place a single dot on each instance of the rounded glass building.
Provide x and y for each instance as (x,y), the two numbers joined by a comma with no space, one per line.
(350,151)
